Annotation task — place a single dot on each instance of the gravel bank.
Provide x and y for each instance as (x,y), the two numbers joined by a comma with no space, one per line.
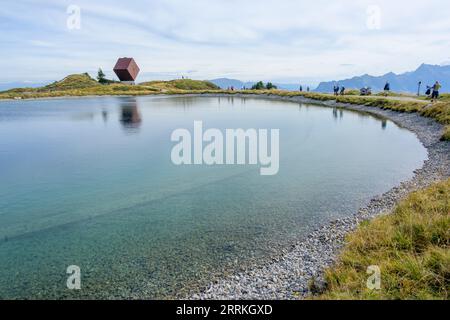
(288,276)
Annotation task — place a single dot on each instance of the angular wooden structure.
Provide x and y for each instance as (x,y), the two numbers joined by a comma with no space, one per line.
(126,69)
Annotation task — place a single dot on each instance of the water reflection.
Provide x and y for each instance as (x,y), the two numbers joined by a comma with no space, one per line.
(338,113)
(105,115)
(130,117)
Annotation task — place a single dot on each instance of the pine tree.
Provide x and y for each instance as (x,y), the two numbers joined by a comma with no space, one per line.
(101,76)
(259,86)
(270,86)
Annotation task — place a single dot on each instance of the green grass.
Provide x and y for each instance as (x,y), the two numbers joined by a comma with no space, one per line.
(74,81)
(394,94)
(84,85)
(410,246)
(352,92)
(446,135)
(183,84)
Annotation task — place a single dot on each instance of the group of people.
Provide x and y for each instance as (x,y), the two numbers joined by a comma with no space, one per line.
(432,91)
(338,90)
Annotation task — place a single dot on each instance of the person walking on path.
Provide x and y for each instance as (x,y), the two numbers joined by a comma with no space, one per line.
(435,95)
(336,90)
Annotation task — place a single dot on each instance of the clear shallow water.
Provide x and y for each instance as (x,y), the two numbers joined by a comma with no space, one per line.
(89,182)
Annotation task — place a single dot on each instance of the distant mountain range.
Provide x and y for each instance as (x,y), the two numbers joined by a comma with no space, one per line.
(225,83)
(405,82)
(18,84)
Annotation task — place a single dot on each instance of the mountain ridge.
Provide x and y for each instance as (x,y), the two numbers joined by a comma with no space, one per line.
(406,82)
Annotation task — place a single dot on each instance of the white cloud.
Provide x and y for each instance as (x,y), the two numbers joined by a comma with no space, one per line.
(286,39)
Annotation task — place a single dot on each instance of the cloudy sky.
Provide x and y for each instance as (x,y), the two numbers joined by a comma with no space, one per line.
(284,40)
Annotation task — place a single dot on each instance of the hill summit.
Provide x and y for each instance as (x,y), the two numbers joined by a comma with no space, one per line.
(73,81)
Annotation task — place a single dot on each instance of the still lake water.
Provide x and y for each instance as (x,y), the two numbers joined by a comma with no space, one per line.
(89,182)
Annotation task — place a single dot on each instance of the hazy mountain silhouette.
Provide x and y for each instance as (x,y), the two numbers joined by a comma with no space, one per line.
(225,83)
(405,82)
(21,84)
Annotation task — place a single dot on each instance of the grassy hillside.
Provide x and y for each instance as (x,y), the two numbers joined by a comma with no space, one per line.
(410,246)
(74,81)
(71,82)
(84,85)
(182,84)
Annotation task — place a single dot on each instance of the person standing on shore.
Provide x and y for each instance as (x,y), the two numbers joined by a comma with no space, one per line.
(435,95)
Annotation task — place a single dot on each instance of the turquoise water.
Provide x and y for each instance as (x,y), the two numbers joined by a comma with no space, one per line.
(89,182)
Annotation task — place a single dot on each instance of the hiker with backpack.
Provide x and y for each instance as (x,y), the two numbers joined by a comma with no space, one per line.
(435,94)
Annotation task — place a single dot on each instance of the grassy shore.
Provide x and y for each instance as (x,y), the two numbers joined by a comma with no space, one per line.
(440,110)
(410,246)
(84,85)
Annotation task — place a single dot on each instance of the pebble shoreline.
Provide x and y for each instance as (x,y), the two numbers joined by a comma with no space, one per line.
(288,276)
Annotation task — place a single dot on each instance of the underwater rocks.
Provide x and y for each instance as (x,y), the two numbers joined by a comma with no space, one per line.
(298,271)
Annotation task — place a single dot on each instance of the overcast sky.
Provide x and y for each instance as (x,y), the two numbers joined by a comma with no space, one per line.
(283,40)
